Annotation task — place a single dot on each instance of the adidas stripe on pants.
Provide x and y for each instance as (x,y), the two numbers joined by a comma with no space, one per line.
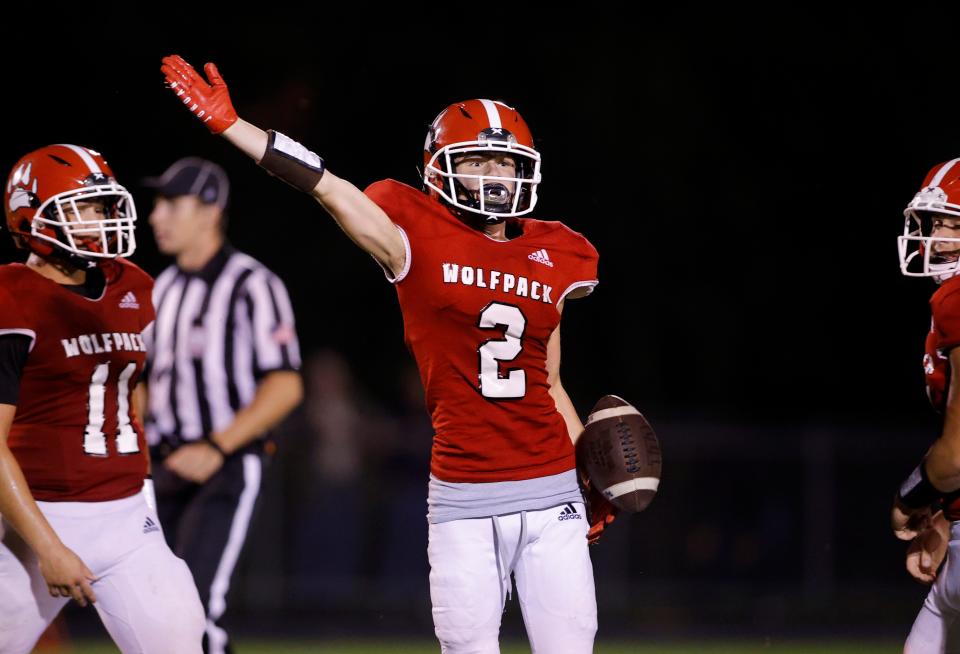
(470,565)
(146,597)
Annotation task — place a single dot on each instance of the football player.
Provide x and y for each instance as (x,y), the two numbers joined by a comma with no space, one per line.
(77,517)
(481,289)
(930,247)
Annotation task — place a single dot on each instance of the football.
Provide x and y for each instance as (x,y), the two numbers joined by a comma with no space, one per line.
(620,453)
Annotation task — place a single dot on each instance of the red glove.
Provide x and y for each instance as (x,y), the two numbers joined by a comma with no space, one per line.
(599,510)
(208,102)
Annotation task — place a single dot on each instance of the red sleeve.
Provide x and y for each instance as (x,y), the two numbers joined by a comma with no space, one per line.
(583,274)
(402,204)
(398,201)
(946,320)
(141,283)
(147,311)
(12,319)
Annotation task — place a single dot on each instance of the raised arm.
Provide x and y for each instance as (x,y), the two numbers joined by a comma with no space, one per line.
(357,215)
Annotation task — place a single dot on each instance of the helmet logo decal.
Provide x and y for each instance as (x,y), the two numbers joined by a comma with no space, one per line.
(20,176)
(22,193)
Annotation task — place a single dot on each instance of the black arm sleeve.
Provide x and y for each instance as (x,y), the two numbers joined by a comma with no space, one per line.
(14,349)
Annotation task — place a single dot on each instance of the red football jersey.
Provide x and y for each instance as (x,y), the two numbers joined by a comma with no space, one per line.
(943,336)
(477,316)
(74,434)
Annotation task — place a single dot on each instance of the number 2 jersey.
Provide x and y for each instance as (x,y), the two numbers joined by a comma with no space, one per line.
(73,434)
(478,314)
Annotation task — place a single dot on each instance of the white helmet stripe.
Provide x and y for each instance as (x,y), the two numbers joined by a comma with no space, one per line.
(492,114)
(83,154)
(943,172)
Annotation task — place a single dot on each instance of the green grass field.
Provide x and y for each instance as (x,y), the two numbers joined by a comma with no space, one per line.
(429,647)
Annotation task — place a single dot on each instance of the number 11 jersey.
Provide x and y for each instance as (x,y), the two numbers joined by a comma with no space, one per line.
(478,314)
(74,434)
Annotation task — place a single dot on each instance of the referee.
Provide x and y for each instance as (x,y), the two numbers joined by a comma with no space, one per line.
(221,371)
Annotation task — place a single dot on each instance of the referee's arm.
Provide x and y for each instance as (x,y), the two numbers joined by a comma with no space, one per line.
(278,393)
(276,355)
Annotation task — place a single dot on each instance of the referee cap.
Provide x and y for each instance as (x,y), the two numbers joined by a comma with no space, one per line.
(193,176)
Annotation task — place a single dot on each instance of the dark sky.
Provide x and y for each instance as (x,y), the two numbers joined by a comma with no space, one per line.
(742,175)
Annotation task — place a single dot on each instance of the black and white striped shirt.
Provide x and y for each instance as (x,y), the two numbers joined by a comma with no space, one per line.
(218,332)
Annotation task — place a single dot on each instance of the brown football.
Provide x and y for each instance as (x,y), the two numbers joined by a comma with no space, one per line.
(620,453)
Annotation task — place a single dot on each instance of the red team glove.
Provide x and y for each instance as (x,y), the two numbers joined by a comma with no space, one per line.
(208,102)
(599,510)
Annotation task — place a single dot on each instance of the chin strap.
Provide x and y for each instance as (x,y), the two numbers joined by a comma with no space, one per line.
(943,271)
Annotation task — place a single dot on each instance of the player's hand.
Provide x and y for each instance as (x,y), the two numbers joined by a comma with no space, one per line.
(927,550)
(599,510)
(66,575)
(210,102)
(195,462)
(907,522)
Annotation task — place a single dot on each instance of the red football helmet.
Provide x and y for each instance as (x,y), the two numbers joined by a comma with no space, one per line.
(939,196)
(41,200)
(483,126)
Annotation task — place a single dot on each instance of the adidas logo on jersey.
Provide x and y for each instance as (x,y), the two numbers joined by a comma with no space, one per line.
(569,513)
(150,525)
(129,301)
(541,256)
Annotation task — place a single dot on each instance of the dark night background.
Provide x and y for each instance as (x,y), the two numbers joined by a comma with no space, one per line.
(743,176)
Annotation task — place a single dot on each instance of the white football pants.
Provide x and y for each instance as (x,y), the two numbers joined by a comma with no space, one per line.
(145,595)
(936,630)
(470,566)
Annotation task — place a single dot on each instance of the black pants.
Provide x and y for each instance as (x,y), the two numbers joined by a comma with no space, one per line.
(206,525)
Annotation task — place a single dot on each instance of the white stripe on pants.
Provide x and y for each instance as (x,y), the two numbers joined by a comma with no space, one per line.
(252,471)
